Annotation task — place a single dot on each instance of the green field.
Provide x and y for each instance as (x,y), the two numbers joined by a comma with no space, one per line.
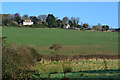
(73,42)
(25,42)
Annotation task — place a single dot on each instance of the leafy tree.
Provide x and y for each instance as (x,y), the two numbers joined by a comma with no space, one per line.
(59,23)
(85,25)
(34,19)
(51,21)
(105,27)
(97,27)
(6,22)
(79,26)
(9,20)
(17,18)
(45,24)
(70,23)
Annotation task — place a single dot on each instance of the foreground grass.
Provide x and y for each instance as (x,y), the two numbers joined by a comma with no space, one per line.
(25,63)
(74,42)
(101,74)
(84,68)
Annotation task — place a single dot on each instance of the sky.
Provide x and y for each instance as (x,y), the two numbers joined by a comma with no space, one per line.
(105,13)
(59,0)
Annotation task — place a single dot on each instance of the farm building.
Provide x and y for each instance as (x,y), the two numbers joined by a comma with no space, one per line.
(27,22)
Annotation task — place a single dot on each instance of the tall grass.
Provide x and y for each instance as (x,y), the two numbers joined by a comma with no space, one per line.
(75,66)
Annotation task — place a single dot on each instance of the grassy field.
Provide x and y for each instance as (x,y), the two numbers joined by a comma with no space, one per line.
(73,42)
(25,41)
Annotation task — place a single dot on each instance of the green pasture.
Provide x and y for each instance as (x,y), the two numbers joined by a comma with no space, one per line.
(73,42)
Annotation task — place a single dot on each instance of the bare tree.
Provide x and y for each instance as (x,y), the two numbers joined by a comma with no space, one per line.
(11,17)
(73,19)
(5,19)
(77,20)
(99,26)
(42,17)
(5,16)
(65,20)
(25,16)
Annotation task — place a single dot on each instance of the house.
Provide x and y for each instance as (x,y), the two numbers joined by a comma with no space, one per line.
(67,26)
(27,22)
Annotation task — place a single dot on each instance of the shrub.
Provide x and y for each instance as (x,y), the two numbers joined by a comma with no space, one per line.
(83,29)
(13,23)
(3,40)
(17,60)
(66,67)
(10,63)
(56,57)
(56,46)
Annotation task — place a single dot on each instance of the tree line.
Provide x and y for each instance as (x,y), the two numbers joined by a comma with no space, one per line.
(49,21)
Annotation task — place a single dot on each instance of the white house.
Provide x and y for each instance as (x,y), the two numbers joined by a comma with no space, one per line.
(27,22)
(67,26)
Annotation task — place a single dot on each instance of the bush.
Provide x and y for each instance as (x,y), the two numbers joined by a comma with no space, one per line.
(17,60)
(56,57)
(83,29)
(66,67)
(13,23)
(56,46)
